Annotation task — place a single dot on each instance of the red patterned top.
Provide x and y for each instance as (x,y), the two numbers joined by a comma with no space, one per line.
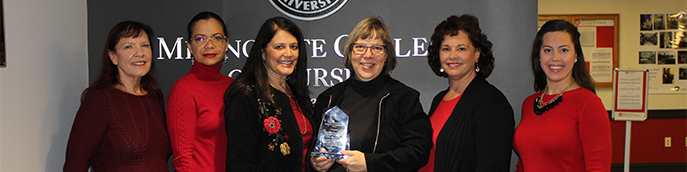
(117,131)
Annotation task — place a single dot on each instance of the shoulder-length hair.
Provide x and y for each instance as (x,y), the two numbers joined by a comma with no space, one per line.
(579,73)
(371,28)
(451,27)
(254,72)
(109,73)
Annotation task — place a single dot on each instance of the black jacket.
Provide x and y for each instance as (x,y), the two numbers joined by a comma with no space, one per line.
(478,136)
(405,133)
(250,145)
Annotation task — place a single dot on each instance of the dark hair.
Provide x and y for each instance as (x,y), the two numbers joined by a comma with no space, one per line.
(451,27)
(371,27)
(205,15)
(254,71)
(109,73)
(579,73)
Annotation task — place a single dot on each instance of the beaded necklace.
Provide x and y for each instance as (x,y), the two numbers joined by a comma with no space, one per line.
(541,107)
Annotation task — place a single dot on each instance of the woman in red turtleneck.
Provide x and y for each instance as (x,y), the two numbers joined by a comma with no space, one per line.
(194,110)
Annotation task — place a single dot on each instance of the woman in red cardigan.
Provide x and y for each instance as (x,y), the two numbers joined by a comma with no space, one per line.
(194,109)
(564,126)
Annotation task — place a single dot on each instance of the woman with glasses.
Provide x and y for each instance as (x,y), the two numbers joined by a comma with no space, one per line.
(472,120)
(120,123)
(387,127)
(268,107)
(194,108)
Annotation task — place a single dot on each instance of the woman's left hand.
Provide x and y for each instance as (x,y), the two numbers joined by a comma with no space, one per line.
(355,162)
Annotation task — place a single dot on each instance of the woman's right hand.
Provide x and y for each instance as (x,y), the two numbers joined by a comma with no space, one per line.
(321,163)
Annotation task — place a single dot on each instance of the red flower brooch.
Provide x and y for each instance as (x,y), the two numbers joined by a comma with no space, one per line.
(272,124)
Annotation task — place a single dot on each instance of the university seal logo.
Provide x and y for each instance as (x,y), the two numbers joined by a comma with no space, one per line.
(308,10)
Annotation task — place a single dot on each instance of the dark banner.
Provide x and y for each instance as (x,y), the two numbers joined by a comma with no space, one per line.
(510,25)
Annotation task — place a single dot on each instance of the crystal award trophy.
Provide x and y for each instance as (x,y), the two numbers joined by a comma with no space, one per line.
(333,135)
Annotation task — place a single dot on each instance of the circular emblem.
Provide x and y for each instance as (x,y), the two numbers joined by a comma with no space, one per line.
(308,10)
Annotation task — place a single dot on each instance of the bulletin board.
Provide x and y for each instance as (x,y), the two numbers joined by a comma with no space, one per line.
(663,51)
(599,41)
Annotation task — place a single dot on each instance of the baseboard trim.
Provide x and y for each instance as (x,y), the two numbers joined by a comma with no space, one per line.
(652,167)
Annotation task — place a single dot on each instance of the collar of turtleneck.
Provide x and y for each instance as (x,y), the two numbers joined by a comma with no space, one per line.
(205,72)
(370,87)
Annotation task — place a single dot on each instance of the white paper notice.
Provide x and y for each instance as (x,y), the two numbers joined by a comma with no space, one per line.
(587,36)
(601,64)
(630,90)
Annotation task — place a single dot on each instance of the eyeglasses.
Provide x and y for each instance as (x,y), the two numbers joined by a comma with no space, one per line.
(202,41)
(375,49)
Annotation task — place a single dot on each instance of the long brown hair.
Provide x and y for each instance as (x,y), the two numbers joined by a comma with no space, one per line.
(255,73)
(580,73)
(109,73)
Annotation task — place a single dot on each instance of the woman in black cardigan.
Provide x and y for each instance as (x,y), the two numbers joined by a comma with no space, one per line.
(267,108)
(472,120)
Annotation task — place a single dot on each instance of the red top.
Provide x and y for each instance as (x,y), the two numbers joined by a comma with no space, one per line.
(303,125)
(195,120)
(438,119)
(117,131)
(574,135)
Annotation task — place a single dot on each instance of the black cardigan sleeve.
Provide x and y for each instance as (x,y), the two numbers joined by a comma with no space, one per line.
(415,138)
(494,133)
(242,150)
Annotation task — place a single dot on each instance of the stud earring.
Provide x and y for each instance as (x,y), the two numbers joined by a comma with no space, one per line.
(441,70)
(575,60)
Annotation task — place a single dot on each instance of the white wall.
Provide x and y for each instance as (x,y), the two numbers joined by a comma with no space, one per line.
(40,88)
(629,11)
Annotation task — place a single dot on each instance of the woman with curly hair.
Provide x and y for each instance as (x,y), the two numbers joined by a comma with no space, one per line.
(472,120)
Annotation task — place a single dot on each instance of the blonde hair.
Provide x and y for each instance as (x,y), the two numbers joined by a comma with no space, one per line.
(371,28)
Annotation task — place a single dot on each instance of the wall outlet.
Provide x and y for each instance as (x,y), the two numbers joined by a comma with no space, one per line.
(667,142)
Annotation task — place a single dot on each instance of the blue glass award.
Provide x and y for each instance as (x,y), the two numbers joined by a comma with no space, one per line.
(333,135)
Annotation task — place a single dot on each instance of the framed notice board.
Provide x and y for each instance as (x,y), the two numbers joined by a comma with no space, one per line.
(630,88)
(599,41)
